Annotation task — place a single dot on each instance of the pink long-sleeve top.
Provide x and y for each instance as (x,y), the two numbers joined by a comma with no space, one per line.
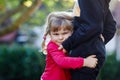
(58,64)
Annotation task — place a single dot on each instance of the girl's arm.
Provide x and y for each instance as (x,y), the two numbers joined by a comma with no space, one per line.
(70,62)
(62,60)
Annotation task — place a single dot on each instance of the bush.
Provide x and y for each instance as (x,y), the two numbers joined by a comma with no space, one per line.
(20,63)
(111,69)
(25,63)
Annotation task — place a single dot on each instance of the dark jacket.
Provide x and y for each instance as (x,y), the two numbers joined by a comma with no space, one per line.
(95,19)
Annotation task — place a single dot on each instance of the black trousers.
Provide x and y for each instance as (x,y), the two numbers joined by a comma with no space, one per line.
(94,46)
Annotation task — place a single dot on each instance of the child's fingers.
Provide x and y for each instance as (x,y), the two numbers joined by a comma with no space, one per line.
(60,47)
(93,56)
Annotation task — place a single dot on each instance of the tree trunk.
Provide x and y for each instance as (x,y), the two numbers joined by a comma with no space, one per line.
(21,19)
(10,13)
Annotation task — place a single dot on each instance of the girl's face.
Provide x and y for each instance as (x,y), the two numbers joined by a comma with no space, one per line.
(59,36)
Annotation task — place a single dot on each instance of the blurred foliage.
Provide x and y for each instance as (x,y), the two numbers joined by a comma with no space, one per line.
(20,63)
(39,17)
(111,69)
(21,12)
(25,7)
(25,63)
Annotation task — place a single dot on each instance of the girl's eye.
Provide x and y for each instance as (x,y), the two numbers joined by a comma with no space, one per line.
(65,33)
(55,34)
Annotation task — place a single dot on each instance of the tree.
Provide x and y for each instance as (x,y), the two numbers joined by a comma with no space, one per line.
(24,16)
(23,13)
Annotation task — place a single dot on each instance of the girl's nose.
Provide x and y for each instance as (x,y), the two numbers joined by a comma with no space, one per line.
(60,37)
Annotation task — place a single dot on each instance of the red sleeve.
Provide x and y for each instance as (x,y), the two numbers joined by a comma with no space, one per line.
(62,60)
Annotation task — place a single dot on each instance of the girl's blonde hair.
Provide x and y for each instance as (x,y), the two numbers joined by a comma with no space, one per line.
(56,21)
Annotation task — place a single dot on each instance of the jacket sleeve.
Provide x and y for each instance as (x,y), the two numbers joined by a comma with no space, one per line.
(109,27)
(62,60)
(88,25)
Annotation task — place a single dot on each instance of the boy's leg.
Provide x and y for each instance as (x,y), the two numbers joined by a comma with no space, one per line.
(84,76)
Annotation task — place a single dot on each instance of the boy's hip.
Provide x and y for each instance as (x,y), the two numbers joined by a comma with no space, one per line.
(95,46)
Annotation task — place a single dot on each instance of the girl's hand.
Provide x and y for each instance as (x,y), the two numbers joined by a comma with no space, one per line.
(91,61)
(61,48)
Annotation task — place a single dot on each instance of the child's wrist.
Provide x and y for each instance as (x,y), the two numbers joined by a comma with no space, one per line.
(84,62)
